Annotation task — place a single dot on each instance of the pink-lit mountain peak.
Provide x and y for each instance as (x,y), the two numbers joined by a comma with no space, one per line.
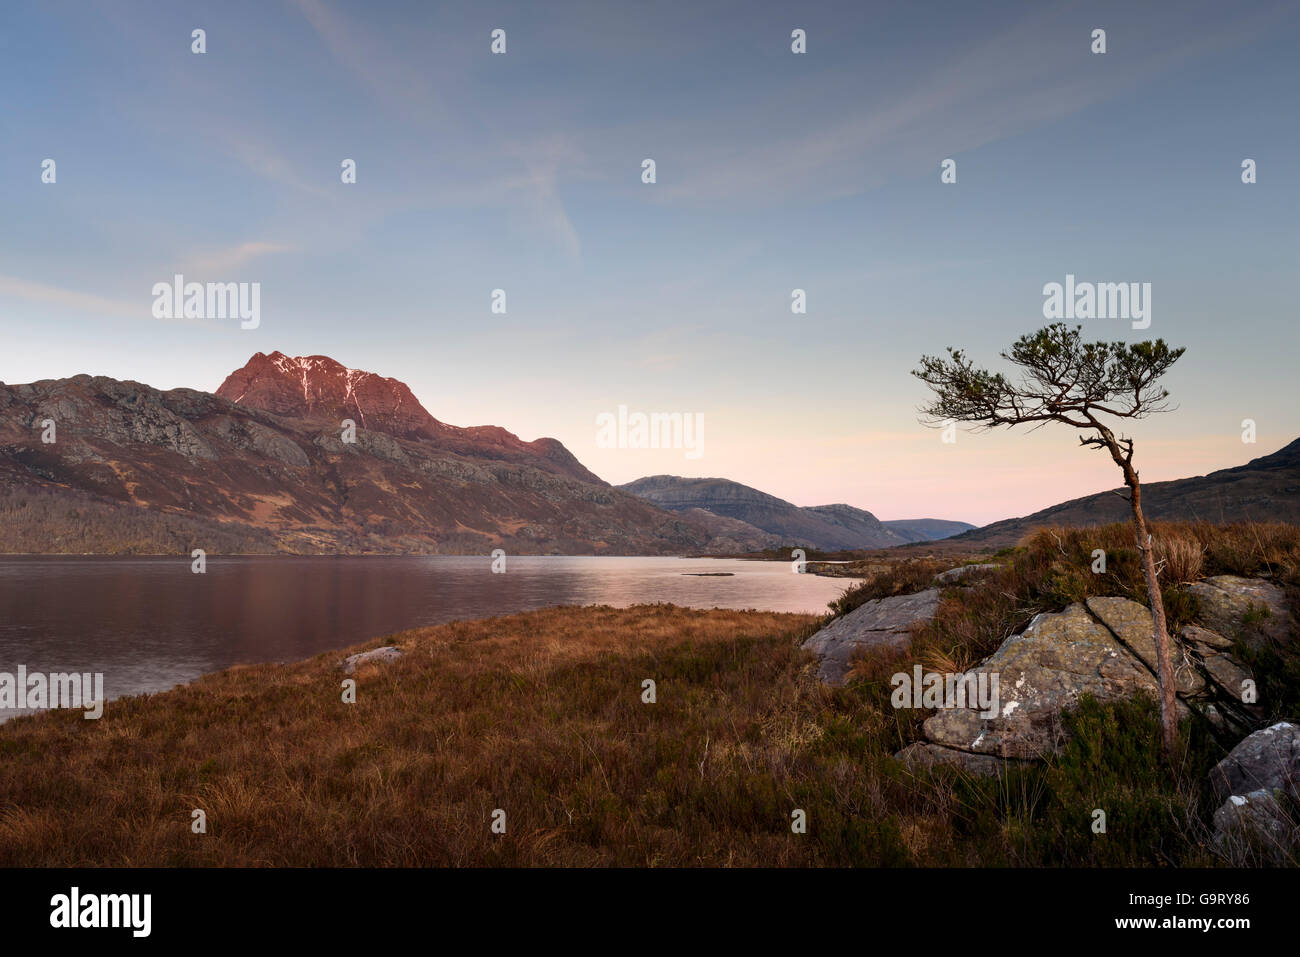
(318,387)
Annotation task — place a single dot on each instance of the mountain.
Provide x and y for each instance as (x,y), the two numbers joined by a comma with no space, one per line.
(855,522)
(825,527)
(1266,489)
(261,466)
(927,529)
(319,388)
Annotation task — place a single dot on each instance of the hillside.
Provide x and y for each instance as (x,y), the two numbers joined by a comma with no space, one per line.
(262,467)
(1266,489)
(826,527)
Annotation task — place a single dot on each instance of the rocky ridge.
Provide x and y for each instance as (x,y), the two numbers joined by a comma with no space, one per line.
(264,466)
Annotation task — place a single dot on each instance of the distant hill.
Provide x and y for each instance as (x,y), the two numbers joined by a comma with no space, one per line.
(1264,489)
(825,527)
(927,529)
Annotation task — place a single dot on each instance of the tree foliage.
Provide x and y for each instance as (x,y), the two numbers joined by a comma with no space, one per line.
(1064,379)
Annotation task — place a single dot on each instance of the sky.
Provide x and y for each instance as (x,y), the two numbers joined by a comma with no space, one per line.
(774,171)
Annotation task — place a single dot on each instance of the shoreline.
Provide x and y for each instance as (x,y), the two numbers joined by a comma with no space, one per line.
(365,644)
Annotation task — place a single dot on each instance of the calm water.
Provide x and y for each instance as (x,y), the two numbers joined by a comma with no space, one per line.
(149,623)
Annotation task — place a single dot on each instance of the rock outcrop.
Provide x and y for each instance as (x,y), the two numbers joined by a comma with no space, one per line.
(1131,623)
(964,574)
(377,656)
(1250,608)
(878,623)
(1268,759)
(923,754)
(1259,785)
(1041,672)
(1103,647)
(1255,828)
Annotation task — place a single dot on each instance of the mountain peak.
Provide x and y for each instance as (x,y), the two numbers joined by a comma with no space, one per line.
(319,387)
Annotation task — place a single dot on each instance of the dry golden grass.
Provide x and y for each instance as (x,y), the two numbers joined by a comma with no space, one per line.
(539,714)
(1179,558)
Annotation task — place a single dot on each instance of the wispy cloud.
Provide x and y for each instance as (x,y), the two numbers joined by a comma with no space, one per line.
(397,85)
(410,92)
(218,262)
(1035,72)
(265,161)
(73,299)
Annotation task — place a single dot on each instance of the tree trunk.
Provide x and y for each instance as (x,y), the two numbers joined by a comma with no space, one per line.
(1164,660)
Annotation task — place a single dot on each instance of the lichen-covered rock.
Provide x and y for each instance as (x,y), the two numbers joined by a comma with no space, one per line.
(1256,828)
(878,623)
(1247,607)
(1132,624)
(962,573)
(378,656)
(1041,672)
(922,754)
(1106,648)
(1268,759)
(1227,673)
(1203,639)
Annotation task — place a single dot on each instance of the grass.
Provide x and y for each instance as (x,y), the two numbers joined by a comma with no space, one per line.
(541,715)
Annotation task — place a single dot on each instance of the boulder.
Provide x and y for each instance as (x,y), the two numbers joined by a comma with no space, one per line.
(961,573)
(878,623)
(1132,624)
(1106,648)
(1041,672)
(921,754)
(378,656)
(1247,607)
(1269,759)
(1256,828)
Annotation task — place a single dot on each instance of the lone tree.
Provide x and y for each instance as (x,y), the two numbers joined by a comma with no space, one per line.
(1067,380)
